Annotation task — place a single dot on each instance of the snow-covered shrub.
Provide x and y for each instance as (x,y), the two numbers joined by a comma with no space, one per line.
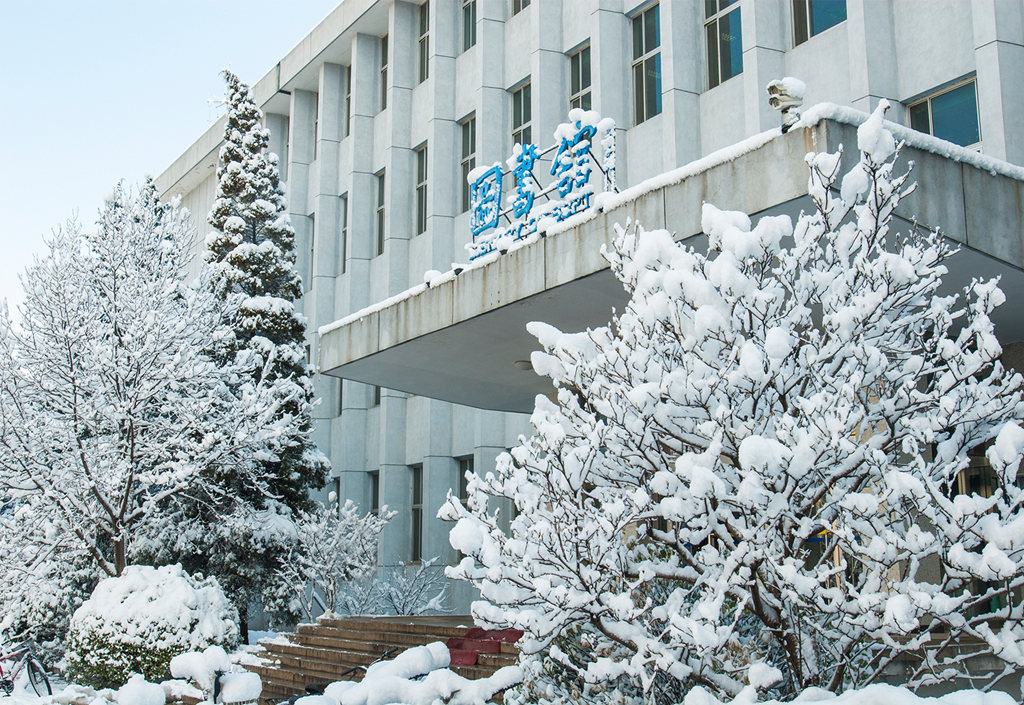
(138,622)
(775,432)
(334,547)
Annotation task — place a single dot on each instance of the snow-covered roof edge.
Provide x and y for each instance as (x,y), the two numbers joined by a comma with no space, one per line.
(605,202)
(918,140)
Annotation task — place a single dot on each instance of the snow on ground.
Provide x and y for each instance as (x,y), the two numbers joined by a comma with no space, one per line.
(448,684)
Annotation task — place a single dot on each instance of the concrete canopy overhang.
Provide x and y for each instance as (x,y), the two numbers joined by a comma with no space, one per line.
(465,340)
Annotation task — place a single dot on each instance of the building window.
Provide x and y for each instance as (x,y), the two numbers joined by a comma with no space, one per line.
(468,156)
(416,510)
(579,79)
(424,41)
(348,101)
(421,190)
(343,232)
(811,17)
(519,5)
(951,115)
(341,396)
(374,493)
(646,65)
(465,466)
(374,395)
(521,112)
(384,72)
(725,41)
(468,24)
(380,213)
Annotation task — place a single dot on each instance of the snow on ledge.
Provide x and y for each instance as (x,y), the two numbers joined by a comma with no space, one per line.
(607,201)
(918,140)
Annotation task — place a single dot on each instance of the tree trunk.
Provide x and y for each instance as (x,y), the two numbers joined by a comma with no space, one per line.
(119,556)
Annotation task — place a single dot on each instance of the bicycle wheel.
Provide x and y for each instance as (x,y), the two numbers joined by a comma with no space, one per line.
(37,678)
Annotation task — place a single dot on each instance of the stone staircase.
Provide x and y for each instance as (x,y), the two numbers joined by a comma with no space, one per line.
(334,649)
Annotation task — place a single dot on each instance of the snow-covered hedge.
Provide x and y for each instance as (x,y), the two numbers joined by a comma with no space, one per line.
(137,622)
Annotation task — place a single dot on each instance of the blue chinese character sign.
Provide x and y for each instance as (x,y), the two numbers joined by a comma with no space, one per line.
(529,206)
(485,195)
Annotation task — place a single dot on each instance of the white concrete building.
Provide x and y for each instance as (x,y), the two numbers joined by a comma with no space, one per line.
(381,111)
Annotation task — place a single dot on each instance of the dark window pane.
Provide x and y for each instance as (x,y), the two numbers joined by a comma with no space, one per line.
(585,68)
(731,45)
(638,93)
(638,37)
(712,42)
(527,110)
(652,87)
(826,13)
(585,101)
(527,136)
(955,116)
(652,31)
(919,118)
(574,73)
(799,21)
(710,7)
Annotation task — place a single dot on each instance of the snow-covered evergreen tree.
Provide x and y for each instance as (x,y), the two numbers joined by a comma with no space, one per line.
(109,408)
(752,476)
(250,263)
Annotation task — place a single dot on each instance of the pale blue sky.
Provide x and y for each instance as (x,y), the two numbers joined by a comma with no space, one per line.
(92,91)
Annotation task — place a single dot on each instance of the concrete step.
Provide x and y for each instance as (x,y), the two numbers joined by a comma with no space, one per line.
(374,636)
(328,650)
(385,624)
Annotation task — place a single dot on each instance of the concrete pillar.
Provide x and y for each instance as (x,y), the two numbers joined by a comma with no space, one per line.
(872,40)
(610,46)
(492,126)
(300,149)
(764,59)
(395,478)
(278,126)
(549,72)
(682,81)
(999,57)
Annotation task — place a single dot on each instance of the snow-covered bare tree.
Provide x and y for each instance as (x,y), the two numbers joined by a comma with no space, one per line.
(250,263)
(335,546)
(752,475)
(109,408)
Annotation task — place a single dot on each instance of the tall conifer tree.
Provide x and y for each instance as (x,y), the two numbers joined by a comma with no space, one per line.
(250,264)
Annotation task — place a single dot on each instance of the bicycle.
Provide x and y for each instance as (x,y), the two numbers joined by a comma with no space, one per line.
(22,660)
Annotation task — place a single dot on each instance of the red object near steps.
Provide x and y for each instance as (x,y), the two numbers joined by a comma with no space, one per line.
(466,649)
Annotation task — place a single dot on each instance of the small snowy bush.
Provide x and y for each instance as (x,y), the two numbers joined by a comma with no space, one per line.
(137,622)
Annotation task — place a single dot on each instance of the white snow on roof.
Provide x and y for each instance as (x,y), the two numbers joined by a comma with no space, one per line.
(604,202)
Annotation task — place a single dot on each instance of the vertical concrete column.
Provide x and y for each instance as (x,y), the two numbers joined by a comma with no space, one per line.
(999,57)
(443,152)
(610,47)
(765,41)
(278,126)
(489,443)
(398,156)
(440,474)
(872,40)
(320,296)
(348,447)
(395,479)
(493,115)
(300,148)
(362,194)
(549,71)
(682,81)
